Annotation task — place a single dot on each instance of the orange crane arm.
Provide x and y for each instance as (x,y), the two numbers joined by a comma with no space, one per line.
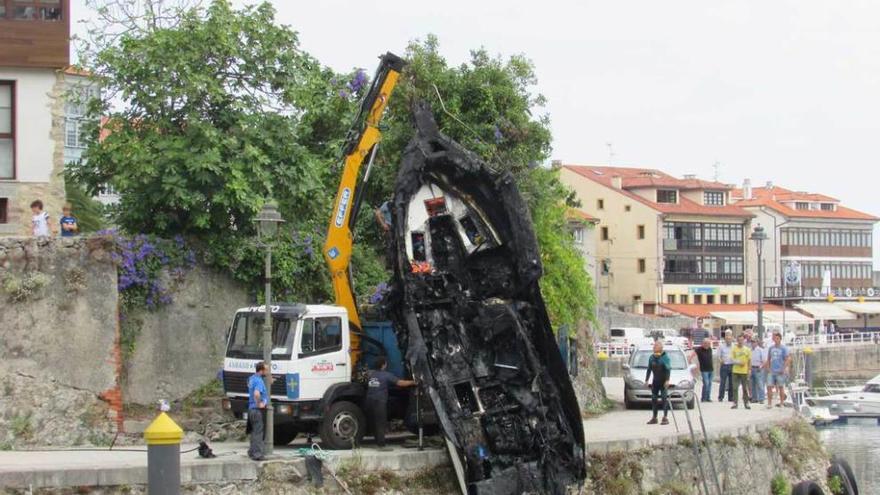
(363,138)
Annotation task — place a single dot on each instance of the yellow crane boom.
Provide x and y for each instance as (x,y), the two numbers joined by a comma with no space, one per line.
(362,140)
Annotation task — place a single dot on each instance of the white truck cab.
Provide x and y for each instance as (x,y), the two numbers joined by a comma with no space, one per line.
(312,388)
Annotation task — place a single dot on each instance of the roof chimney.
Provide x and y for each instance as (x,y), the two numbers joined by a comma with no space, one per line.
(769,184)
(555,164)
(747,189)
(617,182)
(690,176)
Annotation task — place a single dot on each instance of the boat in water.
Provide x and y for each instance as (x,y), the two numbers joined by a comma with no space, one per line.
(864,402)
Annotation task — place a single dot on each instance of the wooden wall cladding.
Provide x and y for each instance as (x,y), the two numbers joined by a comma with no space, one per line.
(35,43)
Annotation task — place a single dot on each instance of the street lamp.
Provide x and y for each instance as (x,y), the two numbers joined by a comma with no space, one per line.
(267,226)
(759,236)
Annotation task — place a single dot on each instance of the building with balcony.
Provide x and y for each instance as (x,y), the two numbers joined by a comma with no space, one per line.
(816,246)
(661,239)
(34,51)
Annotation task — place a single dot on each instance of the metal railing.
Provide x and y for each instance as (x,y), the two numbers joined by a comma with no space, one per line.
(837,339)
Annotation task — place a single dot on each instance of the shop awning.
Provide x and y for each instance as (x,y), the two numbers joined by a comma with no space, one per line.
(826,311)
(862,308)
(791,317)
(736,317)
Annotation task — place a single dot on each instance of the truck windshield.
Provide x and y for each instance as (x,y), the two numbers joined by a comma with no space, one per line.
(246,339)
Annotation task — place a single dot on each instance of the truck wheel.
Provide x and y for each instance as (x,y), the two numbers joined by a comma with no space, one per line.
(343,426)
(283,435)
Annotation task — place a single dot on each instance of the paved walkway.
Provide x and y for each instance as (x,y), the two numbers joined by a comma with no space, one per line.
(617,430)
(623,429)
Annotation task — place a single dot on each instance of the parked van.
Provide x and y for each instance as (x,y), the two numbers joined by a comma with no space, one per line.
(631,337)
(670,336)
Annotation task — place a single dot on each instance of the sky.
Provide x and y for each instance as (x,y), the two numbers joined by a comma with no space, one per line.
(785,91)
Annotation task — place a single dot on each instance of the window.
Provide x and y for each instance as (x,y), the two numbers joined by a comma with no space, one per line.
(667,196)
(321,335)
(604,233)
(723,298)
(713,198)
(600,204)
(4,205)
(627,208)
(801,205)
(737,299)
(31,10)
(683,299)
(246,337)
(698,299)
(7,130)
(670,298)
(606,266)
(710,299)
(640,231)
(578,233)
(637,299)
(642,265)
(827,206)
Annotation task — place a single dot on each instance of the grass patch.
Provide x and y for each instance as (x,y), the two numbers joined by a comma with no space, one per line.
(367,481)
(779,485)
(672,487)
(200,396)
(21,427)
(26,288)
(615,473)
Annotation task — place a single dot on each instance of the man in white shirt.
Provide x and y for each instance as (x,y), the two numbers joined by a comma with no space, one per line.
(759,357)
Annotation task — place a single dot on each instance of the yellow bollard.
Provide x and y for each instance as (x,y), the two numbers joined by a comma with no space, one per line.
(603,358)
(163,438)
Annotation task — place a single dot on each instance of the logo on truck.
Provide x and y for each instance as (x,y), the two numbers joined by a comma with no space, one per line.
(343,206)
(322,367)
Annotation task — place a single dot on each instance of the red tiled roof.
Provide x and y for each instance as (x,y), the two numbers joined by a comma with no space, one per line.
(774,197)
(642,177)
(704,310)
(576,214)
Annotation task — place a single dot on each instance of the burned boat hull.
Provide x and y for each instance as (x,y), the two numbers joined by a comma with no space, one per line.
(472,320)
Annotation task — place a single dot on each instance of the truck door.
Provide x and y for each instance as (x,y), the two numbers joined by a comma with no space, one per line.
(322,359)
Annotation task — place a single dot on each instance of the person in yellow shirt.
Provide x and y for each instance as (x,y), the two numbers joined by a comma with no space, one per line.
(742,359)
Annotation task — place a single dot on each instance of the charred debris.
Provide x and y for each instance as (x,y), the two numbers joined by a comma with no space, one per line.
(473,324)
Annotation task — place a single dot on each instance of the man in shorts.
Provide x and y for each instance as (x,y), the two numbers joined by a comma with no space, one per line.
(778,365)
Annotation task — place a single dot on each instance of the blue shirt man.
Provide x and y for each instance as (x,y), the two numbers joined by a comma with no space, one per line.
(778,361)
(257,401)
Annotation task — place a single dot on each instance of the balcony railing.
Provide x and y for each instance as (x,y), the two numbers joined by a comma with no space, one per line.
(814,292)
(703,245)
(703,278)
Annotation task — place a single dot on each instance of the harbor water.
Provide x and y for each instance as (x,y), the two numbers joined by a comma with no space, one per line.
(857,441)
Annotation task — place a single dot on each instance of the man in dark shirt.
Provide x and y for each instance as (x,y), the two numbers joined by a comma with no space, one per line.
(376,402)
(703,354)
(661,367)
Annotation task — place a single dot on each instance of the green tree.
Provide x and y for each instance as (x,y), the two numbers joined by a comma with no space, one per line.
(220,110)
(89,213)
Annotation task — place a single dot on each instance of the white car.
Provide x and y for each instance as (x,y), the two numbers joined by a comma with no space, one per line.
(630,337)
(670,337)
(681,381)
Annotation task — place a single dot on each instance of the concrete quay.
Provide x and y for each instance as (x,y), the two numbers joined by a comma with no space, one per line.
(618,430)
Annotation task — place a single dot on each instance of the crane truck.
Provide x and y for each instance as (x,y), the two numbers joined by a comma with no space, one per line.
(318,350)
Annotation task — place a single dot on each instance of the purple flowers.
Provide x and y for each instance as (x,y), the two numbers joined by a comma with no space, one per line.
(381,290)
(358,81)
(141,263)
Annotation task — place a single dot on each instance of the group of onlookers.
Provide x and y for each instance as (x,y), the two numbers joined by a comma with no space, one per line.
(747,366)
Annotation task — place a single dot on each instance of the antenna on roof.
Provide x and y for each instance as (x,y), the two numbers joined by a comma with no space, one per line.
(610,153)
(717,167)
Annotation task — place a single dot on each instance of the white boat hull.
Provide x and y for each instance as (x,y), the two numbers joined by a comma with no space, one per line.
(850,404)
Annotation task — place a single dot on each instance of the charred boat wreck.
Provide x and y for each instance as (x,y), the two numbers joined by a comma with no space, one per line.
(470,315)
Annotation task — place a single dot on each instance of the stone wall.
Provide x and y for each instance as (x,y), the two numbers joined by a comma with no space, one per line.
(58,338)
(610,317)
(181,346)
(61,366)
(845,361)
(746,464)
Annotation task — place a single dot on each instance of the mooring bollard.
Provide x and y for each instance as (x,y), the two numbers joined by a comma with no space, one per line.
(808,366)
(603,358)
(163,438)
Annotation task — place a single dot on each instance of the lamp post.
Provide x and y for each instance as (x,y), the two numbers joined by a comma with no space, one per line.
(759,236)
(267,226)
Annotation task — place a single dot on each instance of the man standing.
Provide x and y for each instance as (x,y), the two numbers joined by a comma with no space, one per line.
(759,357)
(742,359)
(376,402)
(703,354)
(257,399)
(660,366)
(779,363)
(725,351)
